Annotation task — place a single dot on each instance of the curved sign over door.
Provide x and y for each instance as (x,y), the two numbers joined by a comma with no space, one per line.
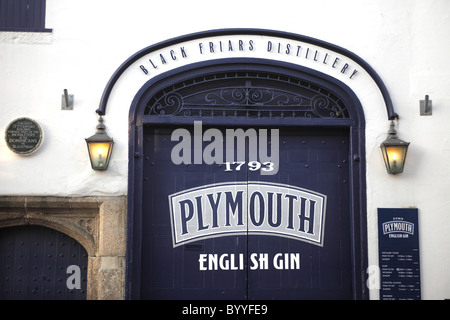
(314,54)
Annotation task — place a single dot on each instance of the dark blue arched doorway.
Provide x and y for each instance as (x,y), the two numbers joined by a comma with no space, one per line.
(321,149)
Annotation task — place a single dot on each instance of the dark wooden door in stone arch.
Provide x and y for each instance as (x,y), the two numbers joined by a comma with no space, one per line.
(34,262)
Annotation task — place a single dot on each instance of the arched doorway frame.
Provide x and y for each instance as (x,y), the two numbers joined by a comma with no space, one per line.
(355,124)
(88,221)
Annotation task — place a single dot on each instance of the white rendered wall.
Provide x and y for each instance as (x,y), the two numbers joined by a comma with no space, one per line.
(405,41)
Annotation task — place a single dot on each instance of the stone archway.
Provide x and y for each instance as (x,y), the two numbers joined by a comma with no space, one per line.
(97,223)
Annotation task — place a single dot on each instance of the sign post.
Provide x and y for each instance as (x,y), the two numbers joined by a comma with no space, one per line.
(398,237)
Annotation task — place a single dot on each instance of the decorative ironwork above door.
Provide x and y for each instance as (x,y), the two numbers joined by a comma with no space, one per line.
(247,94)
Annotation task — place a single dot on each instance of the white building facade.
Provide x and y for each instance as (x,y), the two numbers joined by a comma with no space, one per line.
(380,58)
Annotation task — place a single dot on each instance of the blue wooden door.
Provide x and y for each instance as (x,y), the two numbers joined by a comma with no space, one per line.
(173,273)
(34,261)
(314,159)
(225,258)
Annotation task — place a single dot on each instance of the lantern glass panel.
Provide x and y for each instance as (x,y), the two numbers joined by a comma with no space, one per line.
(395,158)
(99,153)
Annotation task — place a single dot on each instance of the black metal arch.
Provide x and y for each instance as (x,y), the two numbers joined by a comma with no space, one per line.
(114,78)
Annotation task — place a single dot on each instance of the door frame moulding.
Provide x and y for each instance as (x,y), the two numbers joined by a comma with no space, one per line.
(355,124)
(77,219)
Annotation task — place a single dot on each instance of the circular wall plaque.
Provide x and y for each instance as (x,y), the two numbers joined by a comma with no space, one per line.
(23,136)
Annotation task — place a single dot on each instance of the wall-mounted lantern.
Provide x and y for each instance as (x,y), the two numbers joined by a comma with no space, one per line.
(394,151)
(100,147)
